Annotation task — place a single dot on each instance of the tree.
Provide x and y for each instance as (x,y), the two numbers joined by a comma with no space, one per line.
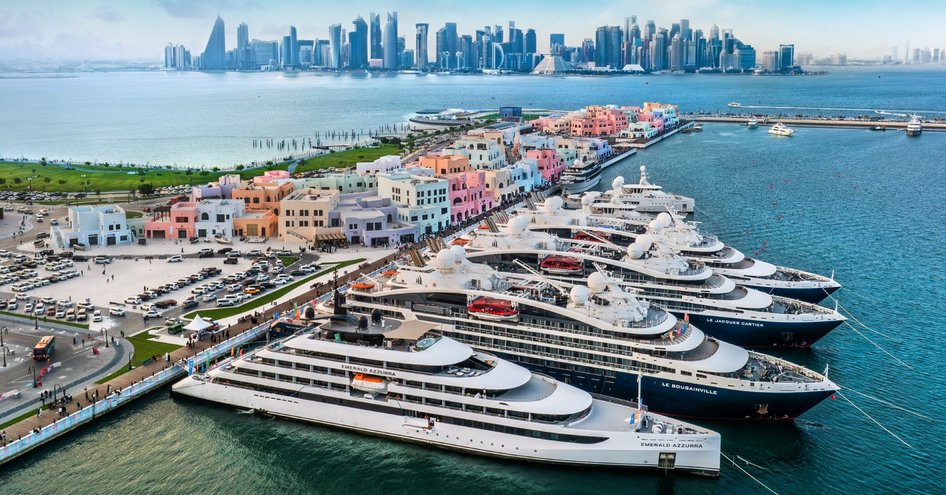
(146,189)
(2,181)
(17,180)
(216,169)
(62,181)
(47,180)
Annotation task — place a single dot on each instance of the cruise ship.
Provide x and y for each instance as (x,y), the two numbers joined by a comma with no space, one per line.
(685,287)
(642,197)
(623,228)
(593,335)
(914,127)
(581,176)
(402,380)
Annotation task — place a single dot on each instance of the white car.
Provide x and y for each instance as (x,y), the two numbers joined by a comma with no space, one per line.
(132,300)
(12,303)
(306,269)
(101,260)
(147,307)
(116,311)
(151,314)
(22,296)
(235,288)
(209,297)
(97,316)
(28,308)
(176,259)
(49,300)
(226,301)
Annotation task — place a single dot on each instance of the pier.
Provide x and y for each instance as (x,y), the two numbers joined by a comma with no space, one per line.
(892,125)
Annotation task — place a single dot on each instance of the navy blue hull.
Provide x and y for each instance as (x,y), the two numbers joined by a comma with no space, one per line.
(684,400)
(812,295)
(749,333)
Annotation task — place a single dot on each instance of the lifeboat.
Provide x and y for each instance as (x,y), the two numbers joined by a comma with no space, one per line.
(562,265)
(487,308)
(460,242)
(584,236)
(390,273)
(483,227)
(368,383)
(362,286)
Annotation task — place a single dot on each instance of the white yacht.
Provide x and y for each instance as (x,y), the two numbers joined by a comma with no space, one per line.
(780,129)
(635,198)
(583,175)
(593,334)
(401,380)
(752,123)
(914,127)
(686,239)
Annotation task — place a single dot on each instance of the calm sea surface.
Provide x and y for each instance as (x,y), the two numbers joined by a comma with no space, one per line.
(868,205)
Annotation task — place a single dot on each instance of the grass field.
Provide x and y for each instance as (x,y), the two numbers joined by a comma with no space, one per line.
(144,349)
(348,158)
(267,297)
(92,178)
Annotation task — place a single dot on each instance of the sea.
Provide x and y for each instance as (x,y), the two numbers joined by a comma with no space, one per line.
(864,205)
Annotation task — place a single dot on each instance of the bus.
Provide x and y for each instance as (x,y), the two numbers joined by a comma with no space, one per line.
(44,349)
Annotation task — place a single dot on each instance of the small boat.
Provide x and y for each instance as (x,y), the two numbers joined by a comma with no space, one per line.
(914,127)
(488,308)
(562,265)
(370,384)
(752,123)
(780,129)
(222,240)
(698,128)
(362,286)
(460,242)
(734,104)
(879,128)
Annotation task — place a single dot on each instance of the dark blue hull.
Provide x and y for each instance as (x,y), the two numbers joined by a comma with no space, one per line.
(751,333)
(685,400)
(812,295)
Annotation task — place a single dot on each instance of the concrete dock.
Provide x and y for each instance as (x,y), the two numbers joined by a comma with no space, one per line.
(891,125)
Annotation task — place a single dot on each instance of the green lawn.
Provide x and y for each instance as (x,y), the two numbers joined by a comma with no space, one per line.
(14,177)
(288,260)
(144,349)
(133,214)
(347,158)
(267,297)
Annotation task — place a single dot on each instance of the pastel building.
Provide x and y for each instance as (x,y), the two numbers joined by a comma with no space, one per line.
(178,221)
(264,194)
(215,217)
(343,182)
(591,121)
(305,214)
(549,163)
(466,187)
(483,152)
(203,219)
(510,181)
(222,189)
(420,199)
(327,216)
(93,225)
(640,130)
(382,165)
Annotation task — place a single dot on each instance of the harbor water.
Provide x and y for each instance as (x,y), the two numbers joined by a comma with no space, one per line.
(866,205)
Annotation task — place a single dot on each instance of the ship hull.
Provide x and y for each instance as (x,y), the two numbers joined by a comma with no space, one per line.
(751,333)
(685,400)
(580,187)
(812,295)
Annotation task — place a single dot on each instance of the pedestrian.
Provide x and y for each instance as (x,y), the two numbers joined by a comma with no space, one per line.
(113,276)
(86,390)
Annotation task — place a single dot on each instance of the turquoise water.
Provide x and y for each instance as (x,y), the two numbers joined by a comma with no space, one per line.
(866,204)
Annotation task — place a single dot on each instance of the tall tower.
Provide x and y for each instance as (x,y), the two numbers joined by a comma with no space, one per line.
(293,48)
(243,42)
(389,60)
(375,20)
(358,46)
(215,54)
(420,45)
(335,46)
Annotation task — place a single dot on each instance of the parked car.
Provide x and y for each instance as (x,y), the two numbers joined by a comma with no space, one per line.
(253,290)
(116,311)
(101,260)
(189,303)
(224,250)
(205,253)
(96,316)
(209,297)
(230,261)
(132,300)
(176,259)
(151,314)
(224,301)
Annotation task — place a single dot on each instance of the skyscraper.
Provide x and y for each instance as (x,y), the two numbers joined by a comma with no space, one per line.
(335,46)
(215,54)
(293,48)
(358,45)
(530,41)
(786,57)
(447,46)
(375,20)
(556,43)
(285,48)
(243,46)
(390,57)
(601,46)
(420,45)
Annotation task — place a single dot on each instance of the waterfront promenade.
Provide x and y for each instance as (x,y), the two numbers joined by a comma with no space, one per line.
(815,122)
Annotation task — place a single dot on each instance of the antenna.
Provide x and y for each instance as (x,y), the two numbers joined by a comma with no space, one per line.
(545,279)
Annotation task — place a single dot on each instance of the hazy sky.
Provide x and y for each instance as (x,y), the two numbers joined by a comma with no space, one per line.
(139,29)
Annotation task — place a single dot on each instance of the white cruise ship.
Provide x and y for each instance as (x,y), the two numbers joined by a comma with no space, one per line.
(629,200)
(581,176)
(401,380)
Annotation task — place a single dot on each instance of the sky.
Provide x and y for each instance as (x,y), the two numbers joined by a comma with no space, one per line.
(139,29)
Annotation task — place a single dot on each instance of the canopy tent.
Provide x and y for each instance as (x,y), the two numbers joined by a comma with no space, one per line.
(198,324)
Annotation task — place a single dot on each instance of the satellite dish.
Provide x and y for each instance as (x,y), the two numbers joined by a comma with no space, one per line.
(645,242)
(445,259)
(665,219)
(579,295)
(597,283)
(635,251)
(617,182)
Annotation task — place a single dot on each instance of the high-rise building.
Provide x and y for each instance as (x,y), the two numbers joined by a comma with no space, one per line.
(243,46)
(285,50)
(293,48)
(601,46)
(446,41)
(786,57)
(556,43)
(770,61)
(615,40)
(335,46)
(215,54)
(358,45)
(390,58)
(376,52)
(177,57)
(420,45)
(530,41)
(265,53)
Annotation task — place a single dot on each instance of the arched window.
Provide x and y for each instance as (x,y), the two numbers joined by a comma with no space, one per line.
(205,216)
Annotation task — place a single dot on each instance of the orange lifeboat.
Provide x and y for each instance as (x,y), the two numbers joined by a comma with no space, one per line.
(562,265)
(488,308)
(368,383)
(460,242)
(362,286)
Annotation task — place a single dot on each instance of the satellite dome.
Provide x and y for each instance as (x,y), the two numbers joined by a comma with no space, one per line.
(635,251)
(445,259)
(655,225)
(459,253)
(517,225)
(597,283)
(665,219)
(643,168)
(617,182)
(579,295)
(553,203)
(577,162)
(645,242)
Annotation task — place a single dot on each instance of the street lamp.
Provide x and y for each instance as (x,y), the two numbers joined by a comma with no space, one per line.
(3,330)
(131,354)
(5,351)
(58,386)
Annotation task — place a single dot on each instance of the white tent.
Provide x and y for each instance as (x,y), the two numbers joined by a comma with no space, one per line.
(198,324)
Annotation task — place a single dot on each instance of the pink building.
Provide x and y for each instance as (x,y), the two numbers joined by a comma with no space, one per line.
(173,222)
(591,121)
(550,163)
(467,190)
(269,176)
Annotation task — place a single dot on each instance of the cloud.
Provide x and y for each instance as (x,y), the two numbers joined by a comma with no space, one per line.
(17,26)
(108,15)
(192,9)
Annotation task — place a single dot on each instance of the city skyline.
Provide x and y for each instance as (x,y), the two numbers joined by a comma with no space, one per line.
(58,30)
